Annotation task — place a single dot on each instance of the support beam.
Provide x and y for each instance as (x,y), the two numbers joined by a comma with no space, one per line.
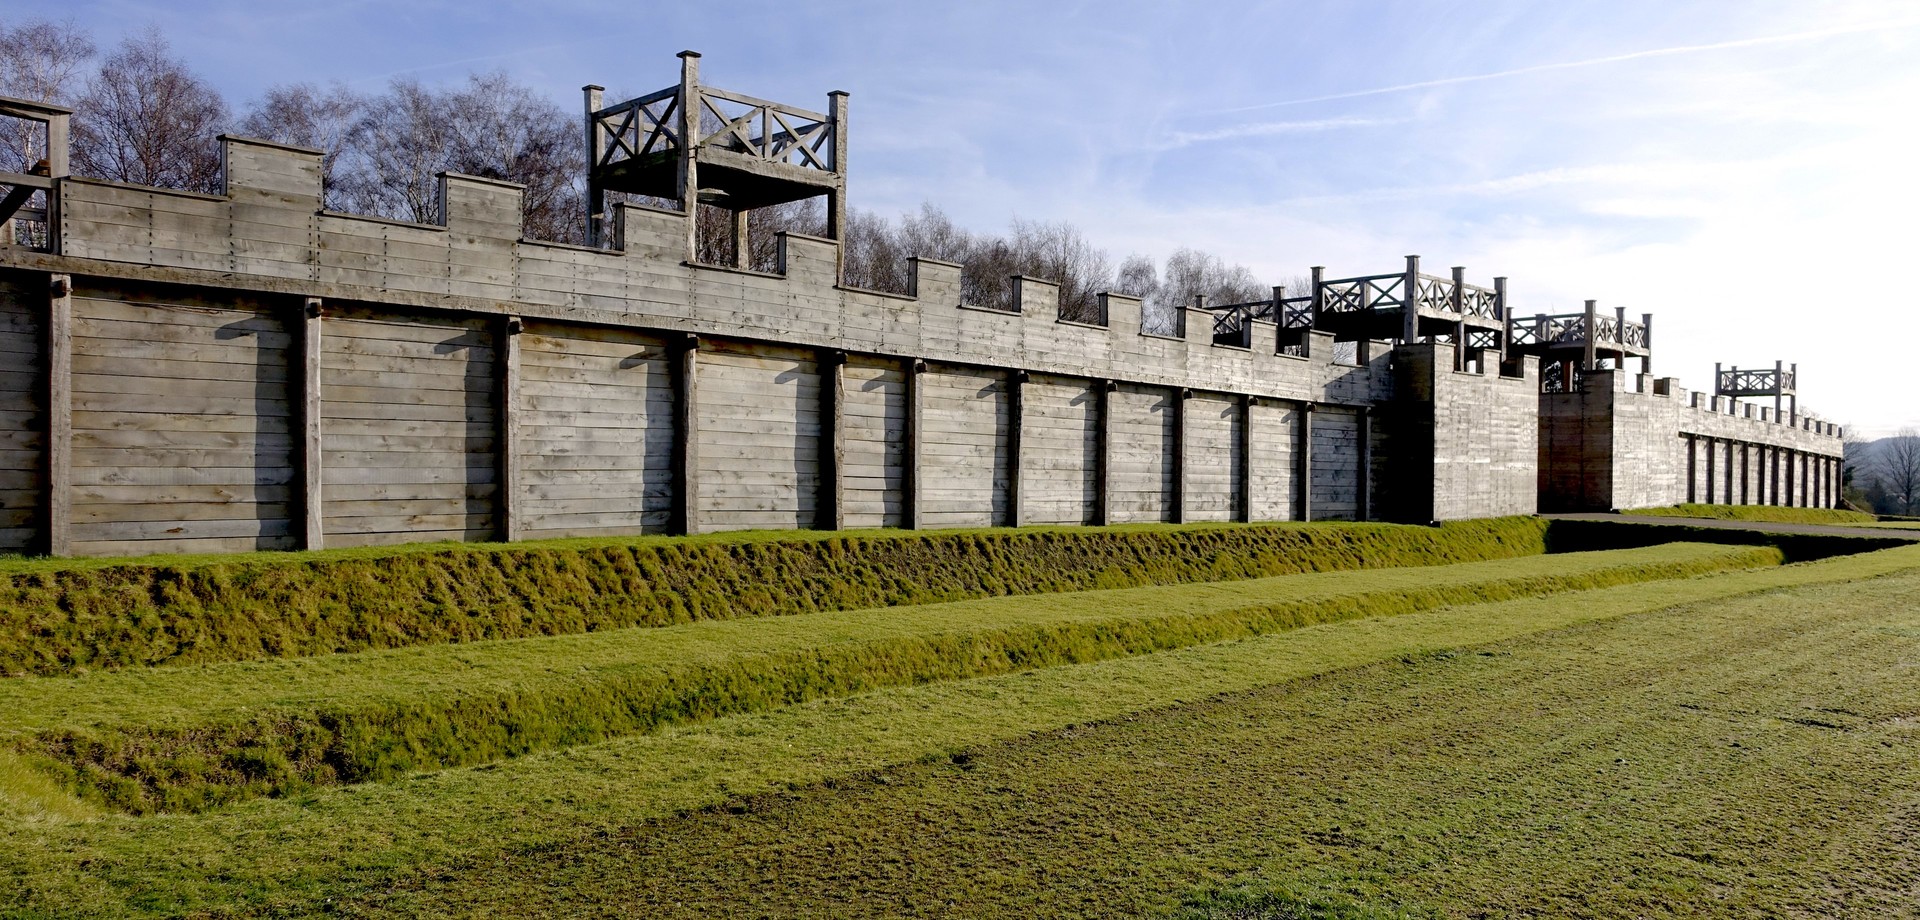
(1712,450)
(742,249)
(510,505)
(1103,453)
(1306,461)
(1016,423)
(1459,322)
(912,502)
(832,513)
(837,198)
(1410,309)
(1693,472)
(686,436)
(1243,491)
(59,482)
(1792,456)
(1588,358)
(1180,463)
(1746,471)
(688,169)
(313,522)
(1505,317)
(1363,488)
(596,148)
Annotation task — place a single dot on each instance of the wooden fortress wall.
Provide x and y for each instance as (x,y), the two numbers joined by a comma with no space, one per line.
(196,373)
(1632,441)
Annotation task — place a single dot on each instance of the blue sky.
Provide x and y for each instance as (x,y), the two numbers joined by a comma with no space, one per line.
(1745,171)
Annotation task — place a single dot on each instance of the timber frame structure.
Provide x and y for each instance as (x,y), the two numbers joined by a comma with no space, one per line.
(249,370)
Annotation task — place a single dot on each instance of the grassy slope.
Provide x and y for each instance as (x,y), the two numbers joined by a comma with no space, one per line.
(1746,758)
(59,616)
(187,737)
(293,854)
(1767,513)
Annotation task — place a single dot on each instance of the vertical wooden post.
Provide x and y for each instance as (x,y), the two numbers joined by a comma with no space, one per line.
(1501,313)
(1779,383)
(1646,341)
(59,482)
(1793,459)
(686,436)
(313,521)
(1693,473)
(1363,492)
(1317,304)
(742,250)
(1306,461)
(1793,399)
(837,199)
(1016,422)
(1773,475)
(912,502)
(1459,319)
(1729,486)
(1410,303)
(1244,493)
(688,172)
(1180,396)
(1712,453)
(1746,470)
(1363,350)
(507,450)
(1592,337)
(1103,453)
(832,513)
(596,148)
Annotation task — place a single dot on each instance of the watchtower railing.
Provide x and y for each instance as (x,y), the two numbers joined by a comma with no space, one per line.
(1571,329)
(650,127)
(1432,293)
(1368,292)
(639,129)
(27,203)
(1743,381)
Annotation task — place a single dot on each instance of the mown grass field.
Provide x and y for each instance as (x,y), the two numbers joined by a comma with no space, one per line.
(1545,734)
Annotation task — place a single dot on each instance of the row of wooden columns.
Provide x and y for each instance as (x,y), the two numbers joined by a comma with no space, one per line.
(684,358)
(1811,480)
(831,513)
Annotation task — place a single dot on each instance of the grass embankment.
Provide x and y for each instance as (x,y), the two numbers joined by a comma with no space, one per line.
(1745,757)
(1761,513)
(497,839)
(60,615)
(186,738)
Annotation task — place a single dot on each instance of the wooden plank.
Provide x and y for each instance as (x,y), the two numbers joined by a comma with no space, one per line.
(60,405)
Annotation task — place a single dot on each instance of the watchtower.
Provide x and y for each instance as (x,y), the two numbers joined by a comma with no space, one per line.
(1748,383)
(1570,344)
(699,145)
(1409,306)
(27,208)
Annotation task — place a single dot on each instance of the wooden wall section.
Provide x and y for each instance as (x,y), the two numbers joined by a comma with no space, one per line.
(759,420)
(1143,462)
(874,466)
(1275,431)
(23,300)
(596,432)
(1215,465)
(1059,451)
(409,430)
(182,423)
(963,449)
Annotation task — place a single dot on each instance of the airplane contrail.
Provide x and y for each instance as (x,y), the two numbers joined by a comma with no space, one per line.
(1590,62)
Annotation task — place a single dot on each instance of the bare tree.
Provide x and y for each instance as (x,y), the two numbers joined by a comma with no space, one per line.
(1899,469)
(40,61)
(1059,253)
(1191,274)
(307,115)
(145,118)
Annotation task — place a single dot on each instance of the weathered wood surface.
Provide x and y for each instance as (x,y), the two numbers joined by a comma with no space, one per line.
(132,359)
(1059,442)
(963,449)
(374,461)
(759,432)
(1142,459)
